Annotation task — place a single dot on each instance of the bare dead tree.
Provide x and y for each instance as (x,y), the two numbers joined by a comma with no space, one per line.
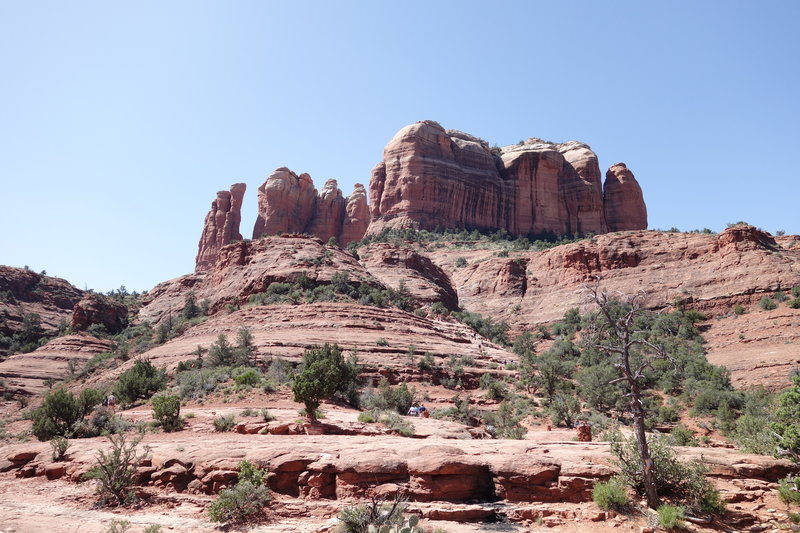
(616,336)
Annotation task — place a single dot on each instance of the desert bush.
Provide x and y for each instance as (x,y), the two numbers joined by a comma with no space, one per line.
(59,446)
(611,494)
(266,415)
(670,516)
(224,422)
(197,383)
(325,374)
(140,382)
(167,412)
(794,303)
(789,489)
(683,482)
(245,499)
(88,399)
(247,377)
(767,304)
(738,309)
(59,411)
(461,262)
(115,471)
(505,423)
(396,423)
(375,516)
(564,409)
(682,436)
(101,421)
(385,397)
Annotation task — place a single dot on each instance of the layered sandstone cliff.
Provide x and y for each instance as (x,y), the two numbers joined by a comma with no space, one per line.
(221,225)
(288,203)
(435,178)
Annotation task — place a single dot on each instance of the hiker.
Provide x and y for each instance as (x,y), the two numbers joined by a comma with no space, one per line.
(423,412)
(413,411)
(112,401)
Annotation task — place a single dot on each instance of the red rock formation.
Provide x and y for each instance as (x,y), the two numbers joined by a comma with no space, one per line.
(329,212)
(24,293)
(221,225)
(432,178)
(624,204)
(288,203)
(356,216)
(96,309)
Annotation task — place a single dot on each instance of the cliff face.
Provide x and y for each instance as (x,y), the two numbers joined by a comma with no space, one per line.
(435,178)
(288,203)
(221,225)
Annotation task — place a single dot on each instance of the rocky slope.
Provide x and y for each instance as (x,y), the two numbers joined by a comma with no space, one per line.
(435,178)
(24,292)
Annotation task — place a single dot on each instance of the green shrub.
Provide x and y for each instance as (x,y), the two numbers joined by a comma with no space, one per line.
(325,374)
(767,304)
(738,309)
(684,482)
(140,382)
(266,415)
(398,399)
(396,423)
(683,436)
(57,415)
(670,516)
(224,422)
(367,417)
(461,262)
(789,489)
(375,516)
(249,377)
(794,303)
(167,412)
(611,494)
(195,384)
(59,446)
(244,500)
(115,471)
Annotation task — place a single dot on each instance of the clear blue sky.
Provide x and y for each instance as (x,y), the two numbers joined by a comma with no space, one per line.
(120,120)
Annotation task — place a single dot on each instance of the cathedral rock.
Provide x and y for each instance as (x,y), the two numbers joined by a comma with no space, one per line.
(435,178)
(432,178)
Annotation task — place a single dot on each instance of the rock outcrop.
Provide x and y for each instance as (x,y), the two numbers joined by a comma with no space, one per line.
(96,309)
(288,203)
(435,178)
(624,205)
(221,225)
(33,304)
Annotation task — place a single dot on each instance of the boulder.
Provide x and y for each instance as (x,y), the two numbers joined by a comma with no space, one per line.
(96,309)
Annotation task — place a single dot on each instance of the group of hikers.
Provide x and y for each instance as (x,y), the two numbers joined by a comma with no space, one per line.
(418,410)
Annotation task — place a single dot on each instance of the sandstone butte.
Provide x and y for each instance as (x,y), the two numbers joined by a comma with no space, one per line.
(455,475)
(432,178)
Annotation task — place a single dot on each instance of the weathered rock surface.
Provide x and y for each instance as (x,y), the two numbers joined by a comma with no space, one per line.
(249,267)
(624,204)
(30,373)
(288,203)
(394,265)
(529,288)
(221,225)
(97,309)
(23,291)
(432,178)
